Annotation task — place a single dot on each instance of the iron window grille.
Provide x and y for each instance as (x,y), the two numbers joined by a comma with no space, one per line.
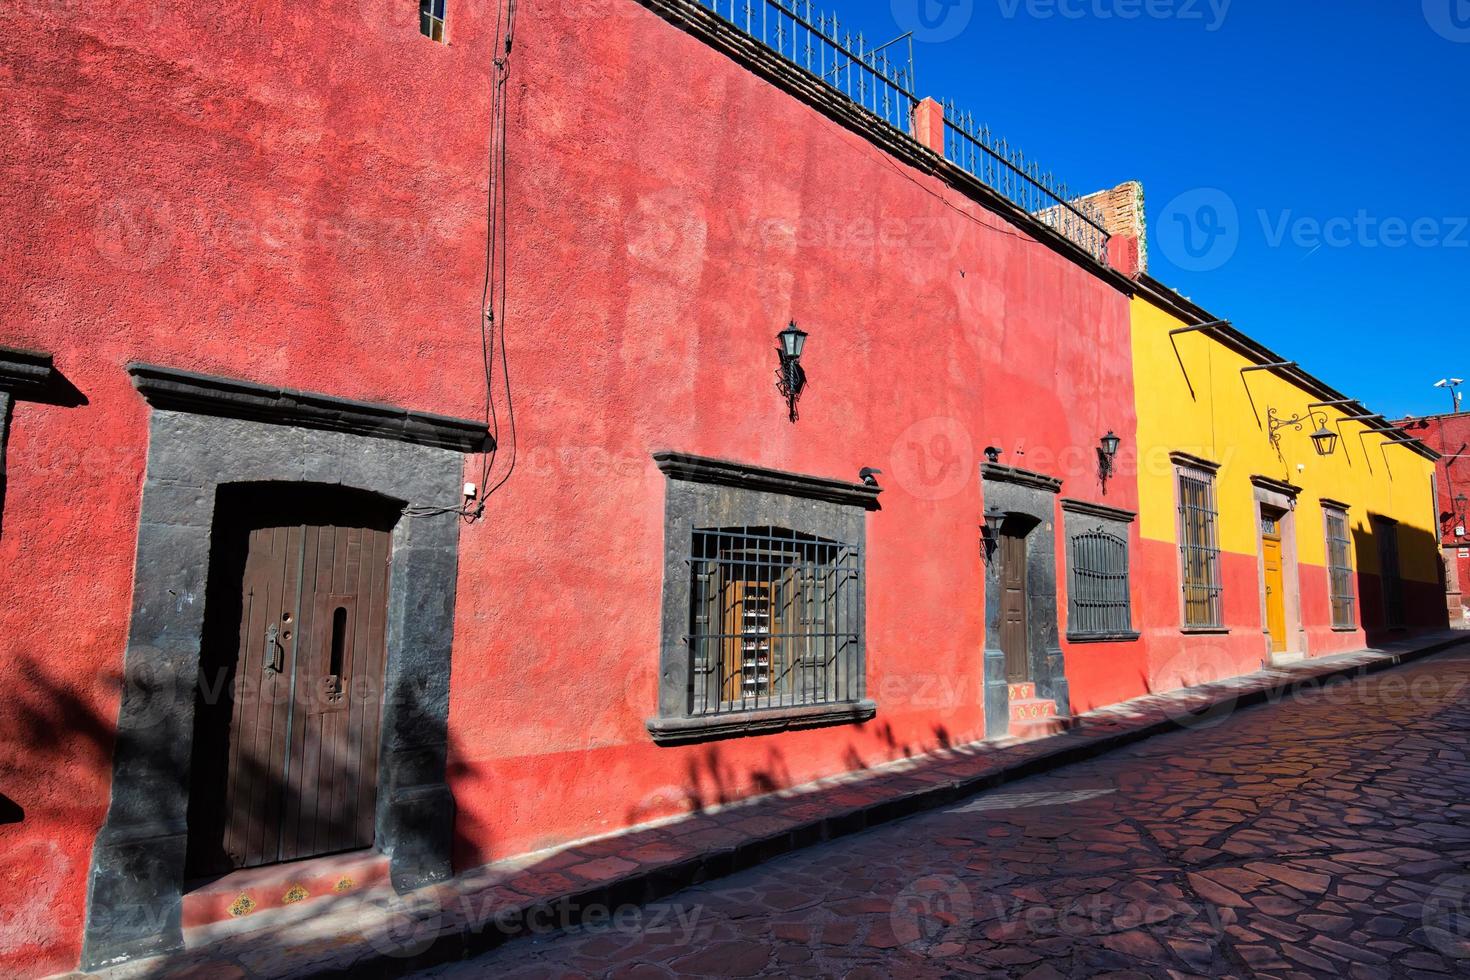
(775,620)
(1199,550)
(1098,596)
(1340,571)
(431,19)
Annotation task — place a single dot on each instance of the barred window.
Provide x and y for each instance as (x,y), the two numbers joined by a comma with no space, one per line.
(775,620)
(1340,570)
(1199,549)
(1098,598)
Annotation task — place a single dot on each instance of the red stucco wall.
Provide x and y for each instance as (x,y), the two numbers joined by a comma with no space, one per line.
(295,195)
(1450,436)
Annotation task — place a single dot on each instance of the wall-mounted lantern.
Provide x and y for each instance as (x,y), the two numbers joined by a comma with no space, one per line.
(990,530)
(1107,450)
(790,376)
(1460,526)
(1324,440)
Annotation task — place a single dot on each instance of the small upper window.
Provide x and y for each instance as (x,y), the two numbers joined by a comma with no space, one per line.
(431,19)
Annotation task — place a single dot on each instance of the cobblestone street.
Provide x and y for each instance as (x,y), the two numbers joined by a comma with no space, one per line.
(1325,835)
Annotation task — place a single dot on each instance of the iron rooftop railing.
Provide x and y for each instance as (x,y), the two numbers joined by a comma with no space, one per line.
(880,80)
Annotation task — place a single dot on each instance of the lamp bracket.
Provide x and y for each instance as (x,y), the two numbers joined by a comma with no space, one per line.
(1275,423)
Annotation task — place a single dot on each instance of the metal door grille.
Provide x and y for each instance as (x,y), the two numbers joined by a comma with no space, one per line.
(1199,550)
(1098,596)
(775,620)
(1340,571)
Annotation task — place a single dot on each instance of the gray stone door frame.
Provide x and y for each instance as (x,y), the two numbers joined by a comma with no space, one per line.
(208,432)
(1027,500)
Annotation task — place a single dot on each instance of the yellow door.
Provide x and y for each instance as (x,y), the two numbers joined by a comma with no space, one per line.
(1275,591)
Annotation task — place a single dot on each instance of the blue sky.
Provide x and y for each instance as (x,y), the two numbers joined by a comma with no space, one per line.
(1336,131)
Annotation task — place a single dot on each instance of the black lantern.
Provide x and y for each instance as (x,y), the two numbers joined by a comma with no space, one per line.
(1107,448)
(1325,441)
(790,376)
(990,530)
(793,341)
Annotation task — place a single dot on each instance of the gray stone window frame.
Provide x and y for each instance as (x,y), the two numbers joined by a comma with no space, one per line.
(704,492)
(205,433)
(1082,517)
(1027,500)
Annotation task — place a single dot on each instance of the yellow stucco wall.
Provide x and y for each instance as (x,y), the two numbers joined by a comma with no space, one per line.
(1223,419)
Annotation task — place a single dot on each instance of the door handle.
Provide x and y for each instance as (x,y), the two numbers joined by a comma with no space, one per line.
(272,660)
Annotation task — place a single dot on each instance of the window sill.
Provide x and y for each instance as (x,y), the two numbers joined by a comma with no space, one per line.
(1205,630)
(1344,629)
(679,731)
(1127,636)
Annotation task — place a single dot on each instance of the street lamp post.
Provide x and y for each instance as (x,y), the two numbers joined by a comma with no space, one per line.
(1452,384)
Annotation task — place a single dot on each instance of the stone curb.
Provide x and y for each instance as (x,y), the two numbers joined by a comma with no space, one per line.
(455,938)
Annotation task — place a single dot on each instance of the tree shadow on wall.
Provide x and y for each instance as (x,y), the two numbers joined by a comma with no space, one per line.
(714,780)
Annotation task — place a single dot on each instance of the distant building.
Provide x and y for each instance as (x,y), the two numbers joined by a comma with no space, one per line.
(1450,436)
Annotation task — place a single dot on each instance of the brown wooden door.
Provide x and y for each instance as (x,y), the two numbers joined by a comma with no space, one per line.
(303,734)
(1013,636)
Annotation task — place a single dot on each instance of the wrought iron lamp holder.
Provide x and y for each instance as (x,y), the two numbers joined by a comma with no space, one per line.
(1107,451)
(990,530)
(790,375)
(1324,440)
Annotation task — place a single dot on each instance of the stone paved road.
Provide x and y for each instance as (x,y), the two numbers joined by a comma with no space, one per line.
(1326,835)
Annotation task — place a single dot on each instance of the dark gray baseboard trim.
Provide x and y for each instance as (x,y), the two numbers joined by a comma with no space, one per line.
(202,394)
(676,731)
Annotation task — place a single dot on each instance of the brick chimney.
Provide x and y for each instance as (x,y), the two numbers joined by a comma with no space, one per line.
(1122,215)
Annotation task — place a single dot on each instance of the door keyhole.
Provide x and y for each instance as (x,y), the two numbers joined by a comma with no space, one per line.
(339,645)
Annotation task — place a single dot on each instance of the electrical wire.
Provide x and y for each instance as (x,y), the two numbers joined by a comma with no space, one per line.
(492,310)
